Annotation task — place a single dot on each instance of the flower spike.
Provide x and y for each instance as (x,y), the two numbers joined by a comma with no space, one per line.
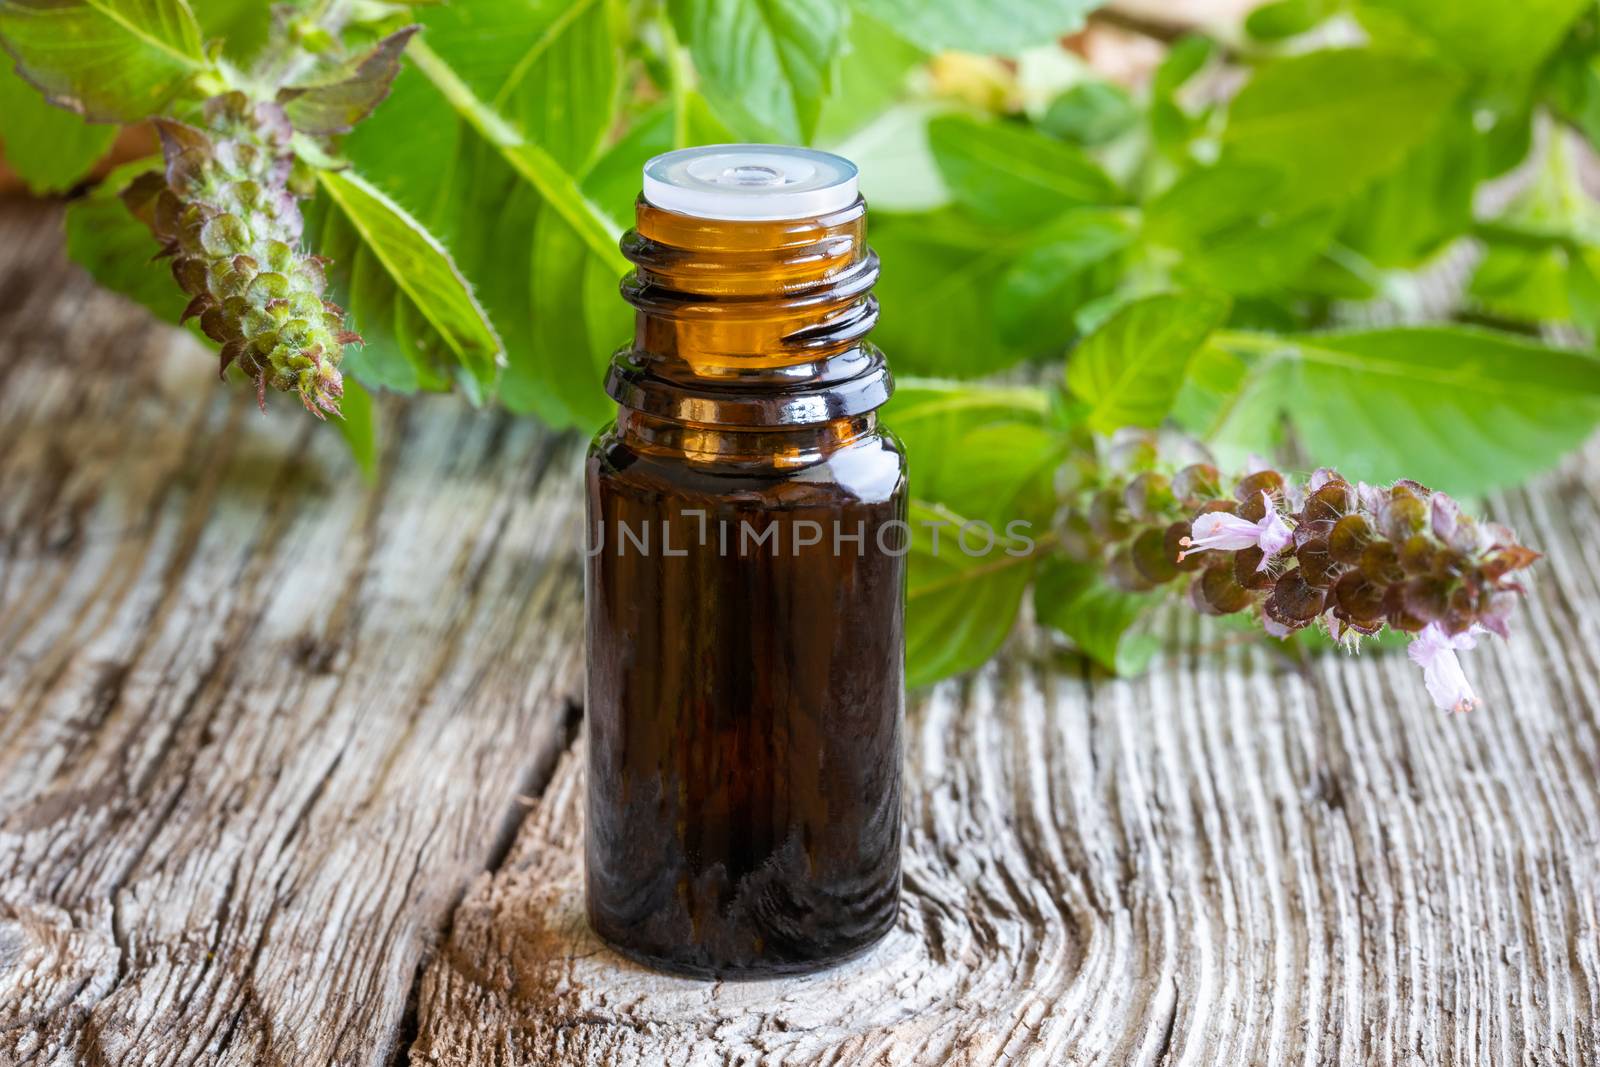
(1352,558)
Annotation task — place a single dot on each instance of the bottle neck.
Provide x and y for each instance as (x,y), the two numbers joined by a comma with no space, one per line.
(749,335)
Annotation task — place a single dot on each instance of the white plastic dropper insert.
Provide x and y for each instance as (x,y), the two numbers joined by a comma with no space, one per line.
(756,182)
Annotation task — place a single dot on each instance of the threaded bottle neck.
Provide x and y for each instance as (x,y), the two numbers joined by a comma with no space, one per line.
(746,324)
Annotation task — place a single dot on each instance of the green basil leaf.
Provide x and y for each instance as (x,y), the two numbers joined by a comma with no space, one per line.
(395,353)
(1074,261)
(872,76)
(1331,122)
(995,26)
(358,425)
(1488,35)
(1460,409)
(765,65)
(985,452)
(927,414)
(420,269)
(937,290)
(108,60)
(1409,216)
(1223,222)
(241,26)
(1130,369)
(959,607)
(1101,621)
(50,148)
(1008,174)
(1187,57)
(1002,473)
(551,69)
(1285,18)
(565,366)
(339,98)
(1091,113)
(531,161)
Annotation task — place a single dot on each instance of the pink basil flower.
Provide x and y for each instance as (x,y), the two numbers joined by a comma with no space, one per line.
(1218,529)
(1434,651)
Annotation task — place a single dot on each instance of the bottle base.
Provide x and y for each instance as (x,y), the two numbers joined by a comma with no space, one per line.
(689,967)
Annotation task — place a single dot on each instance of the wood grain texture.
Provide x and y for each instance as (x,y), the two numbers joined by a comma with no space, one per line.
(262,725)
(260,721)
(1232,860)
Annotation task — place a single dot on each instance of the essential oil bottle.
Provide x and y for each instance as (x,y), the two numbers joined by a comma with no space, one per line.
(745,579)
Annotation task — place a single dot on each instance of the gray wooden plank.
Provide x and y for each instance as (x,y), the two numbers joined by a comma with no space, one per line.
(260,721)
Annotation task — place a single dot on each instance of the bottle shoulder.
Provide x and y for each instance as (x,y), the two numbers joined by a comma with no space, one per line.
(869,469)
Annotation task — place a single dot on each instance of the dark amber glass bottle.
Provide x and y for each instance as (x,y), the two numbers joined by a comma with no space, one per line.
(745,583)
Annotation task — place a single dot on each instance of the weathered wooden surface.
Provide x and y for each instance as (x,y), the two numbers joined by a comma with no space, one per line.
(259,721)
(261,726)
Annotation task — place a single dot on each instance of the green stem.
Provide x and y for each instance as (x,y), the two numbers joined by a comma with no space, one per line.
(1251,341)
(558,188)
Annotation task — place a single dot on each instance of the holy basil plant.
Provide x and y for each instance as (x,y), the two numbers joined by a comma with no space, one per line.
(356,195)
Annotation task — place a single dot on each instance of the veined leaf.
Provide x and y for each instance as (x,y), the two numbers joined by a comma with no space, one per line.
(872,76)
(1488,35)
(1223,222)
(1285,18)
(1130,369)
(421,269)
(242,26)
(1091,113)
(983,451)
(1101,621)
(50,148)
(1001,473)
(994,26)
(108,60)
(1462,410)
(937,290)
(550,68)
(1011,175)
(560,375)
(496,224)
(339,98)
(1071,262)
(537,166)
(1333,121)
(1412,213)
(959,607)
(764,64)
